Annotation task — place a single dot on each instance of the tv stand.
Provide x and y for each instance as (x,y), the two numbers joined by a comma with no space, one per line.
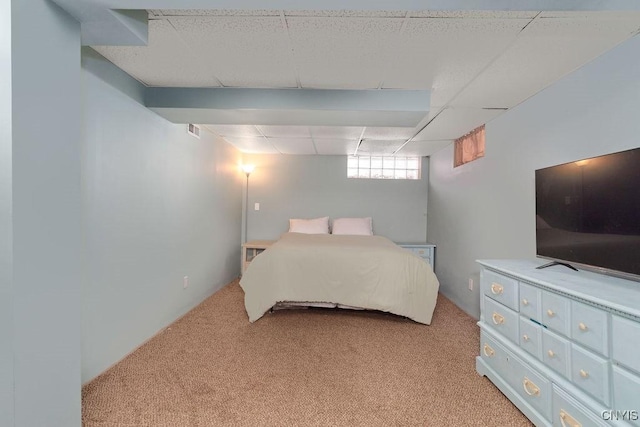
(562,347)
(552,263)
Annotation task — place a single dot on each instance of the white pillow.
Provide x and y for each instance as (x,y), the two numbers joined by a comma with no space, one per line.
(353,226)
(309,226)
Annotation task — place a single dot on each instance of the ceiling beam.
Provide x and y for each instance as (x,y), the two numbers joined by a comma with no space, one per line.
(294,107)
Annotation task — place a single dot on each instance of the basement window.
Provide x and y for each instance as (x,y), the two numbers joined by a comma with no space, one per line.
(469,147)
(383,167)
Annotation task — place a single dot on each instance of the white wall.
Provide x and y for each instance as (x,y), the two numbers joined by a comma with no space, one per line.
(486,209)
(158,205)
(6,224)
(288,186)
(46,214)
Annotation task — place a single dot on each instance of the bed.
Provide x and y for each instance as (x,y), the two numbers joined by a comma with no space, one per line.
(368,272)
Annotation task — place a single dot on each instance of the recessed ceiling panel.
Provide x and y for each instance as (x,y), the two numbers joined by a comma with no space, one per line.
(336,146)
(379,148)
(285,131)
(453,123)
(258,145)
(546,51)
(348,53)
(389,133)
(241,51)
(336,132)
(293,145)
(444,55)
(163,61)
(423,148)
(243,131)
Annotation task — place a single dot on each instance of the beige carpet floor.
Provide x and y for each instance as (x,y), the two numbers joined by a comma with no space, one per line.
(301,368)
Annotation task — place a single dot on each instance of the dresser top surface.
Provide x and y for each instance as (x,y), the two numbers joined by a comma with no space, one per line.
(619,294)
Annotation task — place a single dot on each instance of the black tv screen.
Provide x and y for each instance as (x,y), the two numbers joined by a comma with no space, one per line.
(588,213)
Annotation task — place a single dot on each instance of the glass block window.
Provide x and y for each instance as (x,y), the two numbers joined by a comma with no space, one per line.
(383,167)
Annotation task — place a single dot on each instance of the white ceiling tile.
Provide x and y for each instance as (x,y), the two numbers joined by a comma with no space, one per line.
(453,123)
(285,131)
(220,12)
(547,50)
(379,148)
(596,15)
(234,130)
(336,146)
(388,133)
(347,13)
(444,55)
(474,14)
(241,51)
(293,145)
(423,148)
(252,145)
(163,61)
(336,132)
(346,53)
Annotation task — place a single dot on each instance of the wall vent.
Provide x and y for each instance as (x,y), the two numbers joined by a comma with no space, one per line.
(193,130)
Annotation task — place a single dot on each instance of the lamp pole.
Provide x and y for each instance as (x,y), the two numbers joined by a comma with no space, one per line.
(246,210)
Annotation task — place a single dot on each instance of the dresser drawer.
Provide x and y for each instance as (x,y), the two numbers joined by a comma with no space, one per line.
(626,395)
(530,302)
(500,288)
(502,319)
(590,372)
(494,354)
(531,337)
(556,313)
(556,353)
(626,337)
(589,327)
(567,412)
(533,387)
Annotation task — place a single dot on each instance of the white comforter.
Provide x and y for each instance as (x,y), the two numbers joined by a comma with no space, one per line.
(360,271)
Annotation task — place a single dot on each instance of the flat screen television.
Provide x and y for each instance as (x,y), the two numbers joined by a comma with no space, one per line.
(588,213)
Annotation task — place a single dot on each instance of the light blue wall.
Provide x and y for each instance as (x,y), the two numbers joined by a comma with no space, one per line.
(47,232)
(158,205)
(6,224)
(288,186)
(486,209)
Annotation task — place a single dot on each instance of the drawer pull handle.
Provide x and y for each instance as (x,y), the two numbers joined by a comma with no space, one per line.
(584,374)
(525,301)
(530,388)
(488,351)
(582,327)
(497,319)
(567,420)
(551,353)
(496,289)
(525,338)
(550,313)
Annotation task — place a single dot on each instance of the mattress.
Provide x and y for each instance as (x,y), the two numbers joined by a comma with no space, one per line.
(368,272)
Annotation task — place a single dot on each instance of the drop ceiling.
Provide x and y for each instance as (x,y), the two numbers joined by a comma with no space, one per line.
(475,65)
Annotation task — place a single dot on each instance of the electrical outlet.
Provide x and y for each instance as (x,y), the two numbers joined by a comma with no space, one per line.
(256,206)
(185,282)
(470,284)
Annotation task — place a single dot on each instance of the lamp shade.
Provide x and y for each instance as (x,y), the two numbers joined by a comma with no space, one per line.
(247,169)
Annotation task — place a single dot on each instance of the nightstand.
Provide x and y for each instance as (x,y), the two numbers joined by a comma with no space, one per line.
(251,249)
(425,251)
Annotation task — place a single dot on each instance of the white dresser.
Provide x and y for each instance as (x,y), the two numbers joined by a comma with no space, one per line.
(563,346)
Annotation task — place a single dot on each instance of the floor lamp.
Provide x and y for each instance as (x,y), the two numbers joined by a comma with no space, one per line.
(247,169)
